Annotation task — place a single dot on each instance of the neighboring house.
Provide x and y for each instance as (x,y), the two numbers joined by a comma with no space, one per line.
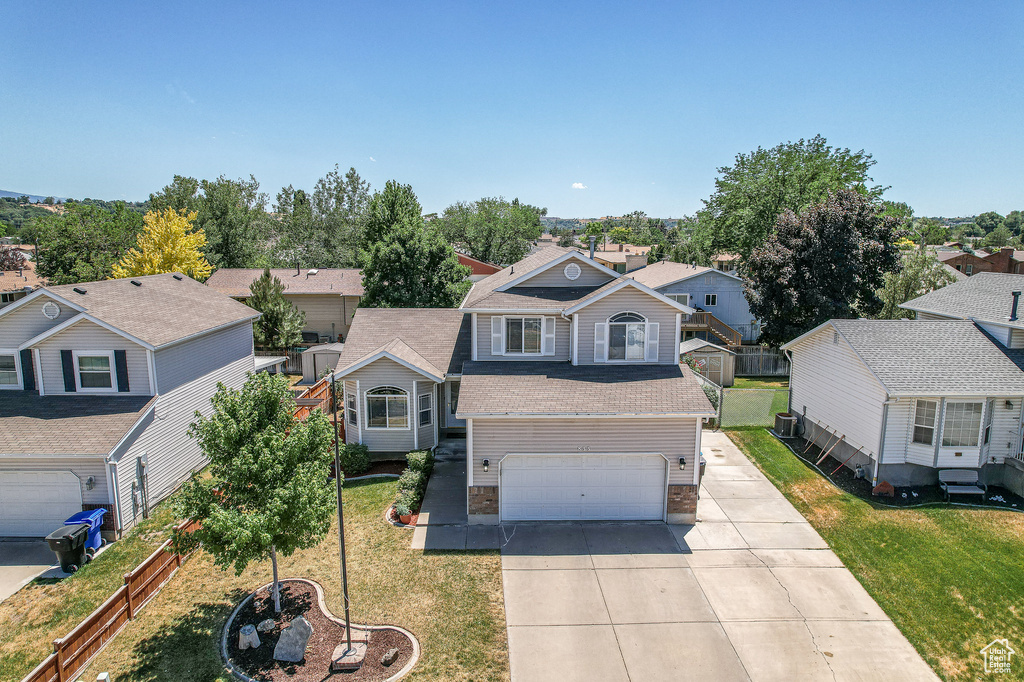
(909,397)
(722,312)
(725,262)
(564,379)
(715,363)
(478,269)
(1006,260)
(328,296)
(17,284)
(622,258)
(101,381)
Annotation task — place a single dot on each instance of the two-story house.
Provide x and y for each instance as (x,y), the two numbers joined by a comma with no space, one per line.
(328,296)
(564,378)
(722,314)
(98,384)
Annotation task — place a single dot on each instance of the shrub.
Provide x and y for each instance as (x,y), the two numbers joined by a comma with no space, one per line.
(421,460)
(355,459)
(413,481)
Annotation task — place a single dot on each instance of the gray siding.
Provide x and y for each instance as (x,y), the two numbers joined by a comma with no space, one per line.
(563,333)
(28,321)
(837,389)
(634,300)
(86,336)
(324,310)
(590,276)
(1017,338)
(82,467)
(426,387)
(170,453)
(732,307)
(931,316)
(188,361)
(388,373)
(673,438)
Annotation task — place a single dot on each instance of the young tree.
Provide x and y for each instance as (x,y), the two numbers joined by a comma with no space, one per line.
(280,325)
(267,491)
(167,243)
(751,194)
(827,262)
(83,243)
(620,235)
(921,273)
(394,205)
(492,229)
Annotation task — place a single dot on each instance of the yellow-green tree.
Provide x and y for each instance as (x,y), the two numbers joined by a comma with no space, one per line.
(167,243)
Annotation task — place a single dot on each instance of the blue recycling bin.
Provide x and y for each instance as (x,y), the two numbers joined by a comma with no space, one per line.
(94,519)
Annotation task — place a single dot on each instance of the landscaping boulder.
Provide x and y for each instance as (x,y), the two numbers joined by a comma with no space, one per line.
(291,646)
(884,489)
(247,637)
(390,657)
(266,625)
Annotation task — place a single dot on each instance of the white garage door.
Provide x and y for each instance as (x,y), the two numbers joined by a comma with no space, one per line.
(582,487)
(35,503)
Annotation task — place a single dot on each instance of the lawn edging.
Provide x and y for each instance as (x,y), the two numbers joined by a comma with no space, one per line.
(327,612)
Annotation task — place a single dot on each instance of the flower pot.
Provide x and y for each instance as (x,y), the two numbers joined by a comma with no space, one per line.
(405,519)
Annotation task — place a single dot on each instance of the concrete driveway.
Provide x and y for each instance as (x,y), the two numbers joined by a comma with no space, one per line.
(749,593)
(22,561)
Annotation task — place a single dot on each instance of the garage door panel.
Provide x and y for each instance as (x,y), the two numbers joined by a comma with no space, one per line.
(582,487)
(34,503)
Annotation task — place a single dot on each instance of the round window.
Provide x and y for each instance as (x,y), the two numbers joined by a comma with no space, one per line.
(572,271)
(51,310)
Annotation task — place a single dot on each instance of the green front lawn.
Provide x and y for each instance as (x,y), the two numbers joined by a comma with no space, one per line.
(451,601)
(951,578)
(761,382)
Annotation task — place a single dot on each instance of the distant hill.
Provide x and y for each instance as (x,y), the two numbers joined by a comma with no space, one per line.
(34,198)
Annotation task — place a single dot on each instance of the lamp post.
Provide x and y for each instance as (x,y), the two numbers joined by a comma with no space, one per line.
(341,519)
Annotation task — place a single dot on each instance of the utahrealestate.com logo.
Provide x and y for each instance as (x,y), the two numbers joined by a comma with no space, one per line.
(997,656)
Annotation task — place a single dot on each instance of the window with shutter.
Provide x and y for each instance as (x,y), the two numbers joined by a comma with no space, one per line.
(549,335)
(497,336)
(600,342)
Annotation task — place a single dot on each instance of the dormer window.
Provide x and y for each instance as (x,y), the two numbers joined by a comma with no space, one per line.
(627,336)
(523,334)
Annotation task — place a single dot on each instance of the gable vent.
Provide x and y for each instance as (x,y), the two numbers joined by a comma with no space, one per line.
(835,338)
(136,282)
(78,290)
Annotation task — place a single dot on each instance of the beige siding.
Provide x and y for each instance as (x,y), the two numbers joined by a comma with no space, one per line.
(387,373)
(836,389)
(590,276)
(1017,338)
(673,438)
(86,336)
(1001,334)
(188,361)
(170,453)
(323,310)
(425,387)
(931,316)
(28,321)
(629,299)
(82,467)
(563,332)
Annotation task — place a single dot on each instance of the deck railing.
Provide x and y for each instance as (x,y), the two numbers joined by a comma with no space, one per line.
(705,320)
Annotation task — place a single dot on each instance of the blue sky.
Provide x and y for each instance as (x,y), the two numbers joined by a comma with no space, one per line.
(637,102)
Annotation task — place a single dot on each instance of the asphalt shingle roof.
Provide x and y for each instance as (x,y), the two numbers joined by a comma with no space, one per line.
(932,357)
(341,281)
(66,425)
(985,296)
(528,388)
(698,344)
(441,336)
(666,272)
(160,310)
(487,286)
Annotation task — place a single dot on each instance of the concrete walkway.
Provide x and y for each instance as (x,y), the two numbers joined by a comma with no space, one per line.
(22,561)
(750,592)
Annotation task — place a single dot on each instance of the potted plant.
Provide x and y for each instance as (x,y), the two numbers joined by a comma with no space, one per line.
(403,512)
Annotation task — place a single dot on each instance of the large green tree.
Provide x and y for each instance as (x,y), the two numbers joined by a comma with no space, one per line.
(409,264)
(989,221)
(266,490)
(752,193)
(827,262)
(492,229)
(280,325)
(920,273)
(999,237)
(83,243)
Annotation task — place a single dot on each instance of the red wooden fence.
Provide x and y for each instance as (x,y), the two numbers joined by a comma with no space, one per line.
(318,396)
(72,652)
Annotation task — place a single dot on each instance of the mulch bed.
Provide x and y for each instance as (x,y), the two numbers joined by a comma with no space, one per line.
(906,496)
(414,517)
(300,599)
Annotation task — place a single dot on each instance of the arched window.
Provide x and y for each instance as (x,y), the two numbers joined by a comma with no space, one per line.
(387,407)
(627,336)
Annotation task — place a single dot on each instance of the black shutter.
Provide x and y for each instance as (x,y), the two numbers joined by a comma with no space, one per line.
(28,373)
(121,363)
(67,363)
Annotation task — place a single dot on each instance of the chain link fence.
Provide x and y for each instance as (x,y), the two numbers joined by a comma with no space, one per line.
(751,406)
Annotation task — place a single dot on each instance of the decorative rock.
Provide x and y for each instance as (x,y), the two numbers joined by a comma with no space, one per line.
(266,625)
(390,657)
(247,637)
(884,489)
(291,646)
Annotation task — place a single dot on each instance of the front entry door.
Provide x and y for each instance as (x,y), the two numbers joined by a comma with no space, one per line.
(451,402)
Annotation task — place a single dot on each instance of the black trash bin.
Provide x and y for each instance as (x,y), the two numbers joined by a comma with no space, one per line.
(68,543)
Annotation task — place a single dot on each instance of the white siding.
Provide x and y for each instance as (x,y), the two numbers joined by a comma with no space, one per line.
(170,453)
(82,467)
(86,336)
(837,390)
(28,322)
(563,330)
(673,438)
(632,300)
(1001,334)
(385,372)
(555,277)
(185,362)
(1005,428)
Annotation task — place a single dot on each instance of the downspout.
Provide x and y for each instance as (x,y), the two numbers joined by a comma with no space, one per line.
(112,482)
(881,438)
(789,399)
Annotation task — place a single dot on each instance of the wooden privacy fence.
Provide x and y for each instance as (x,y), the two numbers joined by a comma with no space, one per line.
(760,361)
(318,396)
(72,652)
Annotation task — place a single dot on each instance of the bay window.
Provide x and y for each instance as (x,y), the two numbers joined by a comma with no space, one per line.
(961,425)
(387,407)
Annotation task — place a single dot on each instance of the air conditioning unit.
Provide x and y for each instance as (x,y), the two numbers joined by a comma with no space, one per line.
(785,425)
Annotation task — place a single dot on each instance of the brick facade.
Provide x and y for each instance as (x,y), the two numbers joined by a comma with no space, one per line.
(483,499)
(108,518)
(682,499)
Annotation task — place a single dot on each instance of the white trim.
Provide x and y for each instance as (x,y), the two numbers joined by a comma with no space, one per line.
(585,415)
(709,271)
(436,392)
(711,305)
(568,255)
(416,429)
(145,413)
(469,455)
(385,354)
(505,352)
(472,318)
(366,406)
(696,454)
(56,329)
(679,333)
(575,339)
(532,312)
(38,369)
(151,365)
(19,383)
(359,418)
(628,282)
(430,407)
(42,291)
(470,292)
(75,354)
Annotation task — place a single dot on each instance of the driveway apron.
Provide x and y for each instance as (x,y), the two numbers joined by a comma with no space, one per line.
(751,592)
